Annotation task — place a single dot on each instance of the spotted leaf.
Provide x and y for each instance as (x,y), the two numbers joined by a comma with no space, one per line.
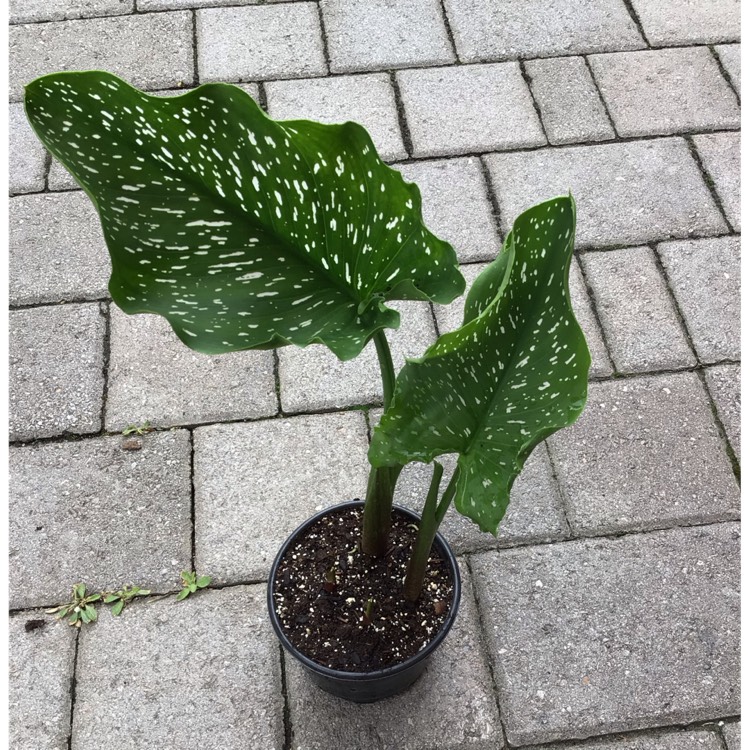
(514,373)
(244,232)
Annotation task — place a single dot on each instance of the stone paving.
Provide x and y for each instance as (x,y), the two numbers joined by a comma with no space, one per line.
(608,605)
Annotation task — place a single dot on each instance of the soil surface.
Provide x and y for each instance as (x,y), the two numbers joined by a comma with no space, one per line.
(323,586)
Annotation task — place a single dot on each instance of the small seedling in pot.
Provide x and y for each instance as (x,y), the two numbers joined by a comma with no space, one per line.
(329,584)
(118,599)
(79,609)
(191,583)
(138,429)
(367,614)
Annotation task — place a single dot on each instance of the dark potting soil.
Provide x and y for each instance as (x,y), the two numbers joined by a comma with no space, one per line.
(323,586)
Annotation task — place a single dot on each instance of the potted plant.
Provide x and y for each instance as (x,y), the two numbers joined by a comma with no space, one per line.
(247,233)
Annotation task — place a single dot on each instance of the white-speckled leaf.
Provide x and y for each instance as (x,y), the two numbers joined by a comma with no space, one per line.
(242,231)
(514,373)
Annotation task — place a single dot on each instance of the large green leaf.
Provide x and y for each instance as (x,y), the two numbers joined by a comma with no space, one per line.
(515,372)
(242,231)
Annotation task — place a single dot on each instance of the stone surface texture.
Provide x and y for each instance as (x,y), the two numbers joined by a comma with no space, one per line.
(204,673)
(488,30)
(688,739)
(601,636)
(657,92)
(608,614)
(255,483)
(95,512)
(627,193)
(259,42)
(571,107)
(463,109)
(705,278)
(678,22)
(40,671)
(56,379)
(34,11)
(26,164)
(732,735)
(724,386)
(114,44)
(379,34)
(641,325)
(456,205)
(645,453)
(720,154)
(57,251)
(364,99)
(153,376)
(729,54)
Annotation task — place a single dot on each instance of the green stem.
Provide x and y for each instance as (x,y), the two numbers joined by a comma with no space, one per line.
(386,367)
(432,515)
(376,522)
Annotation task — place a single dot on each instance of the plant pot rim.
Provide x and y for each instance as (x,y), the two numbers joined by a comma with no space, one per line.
(341,675)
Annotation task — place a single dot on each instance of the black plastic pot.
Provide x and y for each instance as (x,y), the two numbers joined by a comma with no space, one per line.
(366,687)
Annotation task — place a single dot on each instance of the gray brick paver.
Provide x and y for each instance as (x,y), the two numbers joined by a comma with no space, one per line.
(199,673)
(59,179)
(641,325)
(729,54)
(255,483)
(92,512)
(724,386)
(56,249)
(384,34)
(40,663)
(149,5)
(705,278)
(464,109)
(720,155)
(314,378)
(56,382)
(115,44)
(451,706)
(571,108)
(732,735)
(491,30)
(455,205)
(26,165)
(255,43)
(584,311)
(599,636)
(667,739)
(627,193)
(645,453)
(366,99)
(154,376)
(34,11)
(657,92)
(677,22)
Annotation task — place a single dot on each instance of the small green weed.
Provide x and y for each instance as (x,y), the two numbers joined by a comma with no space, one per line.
(118,599)
(79,609)
(138,429)
(191,583)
